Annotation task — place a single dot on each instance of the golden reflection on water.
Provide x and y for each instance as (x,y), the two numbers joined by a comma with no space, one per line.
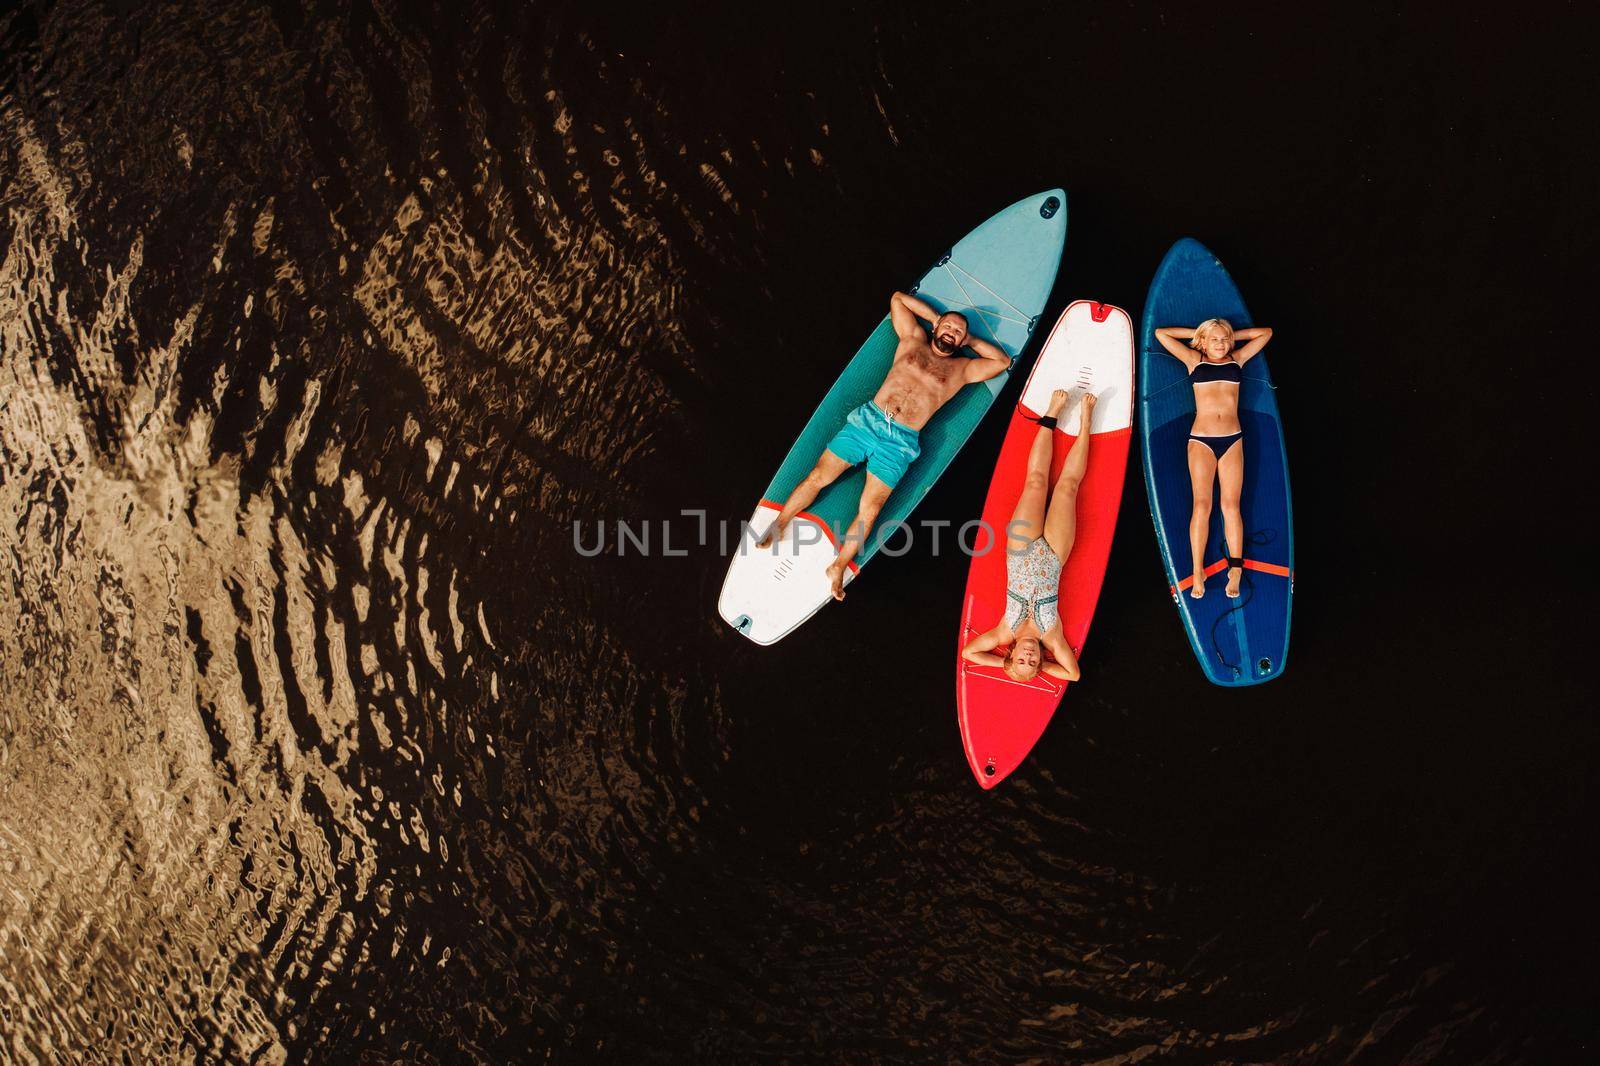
(218,662)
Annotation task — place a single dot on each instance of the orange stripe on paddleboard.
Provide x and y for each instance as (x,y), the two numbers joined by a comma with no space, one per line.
(1215,568)
(1222,564)
(826,529)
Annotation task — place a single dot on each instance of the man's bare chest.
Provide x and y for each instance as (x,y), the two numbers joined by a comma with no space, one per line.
(932,369)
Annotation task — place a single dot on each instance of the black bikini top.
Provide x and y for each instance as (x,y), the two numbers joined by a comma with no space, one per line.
(1205,371)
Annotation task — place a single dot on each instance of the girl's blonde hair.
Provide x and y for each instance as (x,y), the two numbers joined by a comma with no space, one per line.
(1207,326)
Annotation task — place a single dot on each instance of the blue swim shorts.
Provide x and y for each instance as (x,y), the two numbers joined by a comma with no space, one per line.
(887,446)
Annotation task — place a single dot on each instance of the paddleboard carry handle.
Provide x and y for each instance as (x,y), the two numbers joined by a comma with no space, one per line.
(1051,205)
(1099,311)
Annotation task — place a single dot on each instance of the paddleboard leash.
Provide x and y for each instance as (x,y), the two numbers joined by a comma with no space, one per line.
(1246,594)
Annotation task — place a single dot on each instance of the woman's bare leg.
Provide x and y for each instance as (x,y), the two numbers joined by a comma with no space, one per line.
(1202,472)
(1230,479)
(1027,520)
(1061,516)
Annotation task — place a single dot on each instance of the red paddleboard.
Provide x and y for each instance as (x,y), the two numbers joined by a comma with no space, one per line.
(1091,347)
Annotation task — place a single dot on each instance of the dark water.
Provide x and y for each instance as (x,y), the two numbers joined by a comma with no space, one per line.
(322,324)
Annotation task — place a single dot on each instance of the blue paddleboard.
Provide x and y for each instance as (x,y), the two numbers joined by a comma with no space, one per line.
(1242,641)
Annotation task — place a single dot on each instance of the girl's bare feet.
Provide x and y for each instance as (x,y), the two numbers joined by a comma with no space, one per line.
(1234,574)
(1198,589)
(1058,403)
(1086,413)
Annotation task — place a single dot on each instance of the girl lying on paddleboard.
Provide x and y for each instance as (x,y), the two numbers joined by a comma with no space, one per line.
(1216,440)
(1038,537)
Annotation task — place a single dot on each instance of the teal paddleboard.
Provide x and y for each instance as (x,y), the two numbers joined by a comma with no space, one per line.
(1000,276)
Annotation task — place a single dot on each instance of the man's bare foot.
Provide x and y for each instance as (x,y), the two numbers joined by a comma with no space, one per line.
(774,534)
(836,575)
(1198,589)
(1058,403)
(1234,574)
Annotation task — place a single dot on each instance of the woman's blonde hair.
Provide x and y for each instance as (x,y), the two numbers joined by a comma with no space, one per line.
(1207,326)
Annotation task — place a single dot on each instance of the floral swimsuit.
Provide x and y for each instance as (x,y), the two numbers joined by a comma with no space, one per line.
(1033,583)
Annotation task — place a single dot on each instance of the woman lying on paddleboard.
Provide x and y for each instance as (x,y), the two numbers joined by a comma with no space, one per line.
(1216,440)
(1039,537)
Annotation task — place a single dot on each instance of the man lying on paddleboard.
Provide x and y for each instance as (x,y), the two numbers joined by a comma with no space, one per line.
(884,432)
(1038,540)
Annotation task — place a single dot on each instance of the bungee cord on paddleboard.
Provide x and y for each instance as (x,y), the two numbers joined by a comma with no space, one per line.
(972,305)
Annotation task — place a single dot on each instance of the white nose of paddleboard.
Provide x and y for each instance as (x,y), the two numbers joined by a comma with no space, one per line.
(1089,350)
(769,592)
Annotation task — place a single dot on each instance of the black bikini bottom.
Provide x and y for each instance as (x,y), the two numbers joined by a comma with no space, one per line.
(1219,445)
